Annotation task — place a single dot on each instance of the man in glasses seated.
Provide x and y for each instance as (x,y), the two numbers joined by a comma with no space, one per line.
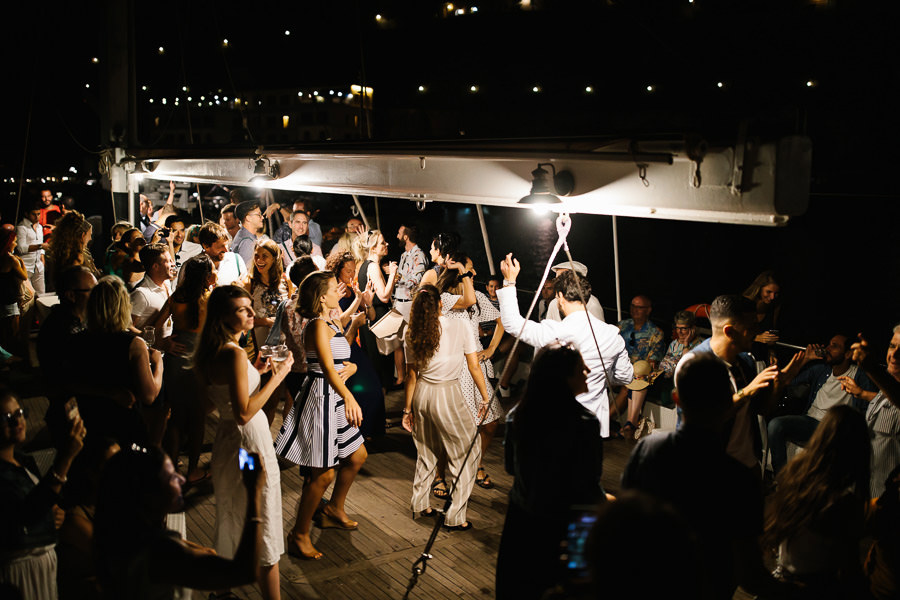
(643,341)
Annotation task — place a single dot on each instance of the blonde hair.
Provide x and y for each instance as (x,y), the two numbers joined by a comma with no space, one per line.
(109,306)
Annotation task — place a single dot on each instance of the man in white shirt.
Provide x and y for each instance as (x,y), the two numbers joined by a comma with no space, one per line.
(299,226)
(593,305)
(151,293)
(30,246)
(214,241)
(601,346)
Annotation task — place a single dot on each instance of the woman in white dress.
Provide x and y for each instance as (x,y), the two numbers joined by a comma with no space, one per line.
(232,384)
(438,349)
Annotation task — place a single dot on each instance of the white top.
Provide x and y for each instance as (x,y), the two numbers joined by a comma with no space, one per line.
(830,394)
(575,330)
(187,250)
(450,357)
(29,235)
(231,269)
(147,300)
(593,306)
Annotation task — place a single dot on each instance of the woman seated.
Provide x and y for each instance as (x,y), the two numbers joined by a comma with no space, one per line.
(816,517)
(438,348)
(28,505)
(659,383)
(550,436)
(137,557)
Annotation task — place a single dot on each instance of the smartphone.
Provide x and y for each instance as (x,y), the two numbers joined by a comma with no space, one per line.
(71,408)
(245,461)
(574,547)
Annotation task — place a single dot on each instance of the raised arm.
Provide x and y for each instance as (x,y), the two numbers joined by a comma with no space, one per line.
(533,334)
(189,565)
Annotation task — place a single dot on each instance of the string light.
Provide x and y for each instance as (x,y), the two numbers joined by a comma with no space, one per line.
(473,88)
(95,60)
(161,50)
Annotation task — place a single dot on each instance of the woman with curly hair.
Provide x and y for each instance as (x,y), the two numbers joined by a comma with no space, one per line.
(438,348)
(69,245)
(817,514)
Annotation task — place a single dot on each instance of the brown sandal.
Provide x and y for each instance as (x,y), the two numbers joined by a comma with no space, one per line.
(439,488)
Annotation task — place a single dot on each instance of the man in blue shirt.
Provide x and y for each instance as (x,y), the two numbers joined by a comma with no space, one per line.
(250,216)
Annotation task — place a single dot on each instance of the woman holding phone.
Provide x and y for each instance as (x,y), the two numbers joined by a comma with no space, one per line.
(233,385)
(322,432)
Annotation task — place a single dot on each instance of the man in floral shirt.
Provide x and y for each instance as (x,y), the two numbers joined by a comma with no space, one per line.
(643,341)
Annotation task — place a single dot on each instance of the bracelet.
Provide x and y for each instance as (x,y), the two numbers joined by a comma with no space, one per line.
(508,283)
(58,477)
(407,412)
(467,274)
(255,519)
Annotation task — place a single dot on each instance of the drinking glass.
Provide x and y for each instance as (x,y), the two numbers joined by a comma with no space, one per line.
(266,351)
(149,335)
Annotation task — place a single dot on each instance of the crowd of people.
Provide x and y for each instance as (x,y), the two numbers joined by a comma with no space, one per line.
(180,319)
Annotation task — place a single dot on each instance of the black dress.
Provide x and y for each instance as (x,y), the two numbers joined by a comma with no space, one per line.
(384,365)
(366,387)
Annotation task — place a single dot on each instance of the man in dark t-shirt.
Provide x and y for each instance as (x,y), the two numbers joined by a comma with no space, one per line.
(719,497)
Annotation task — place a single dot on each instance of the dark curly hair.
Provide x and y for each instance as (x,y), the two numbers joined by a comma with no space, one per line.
(424,332)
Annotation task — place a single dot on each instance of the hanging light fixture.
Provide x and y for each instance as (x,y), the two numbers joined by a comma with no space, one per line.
(264,170)
(545,186)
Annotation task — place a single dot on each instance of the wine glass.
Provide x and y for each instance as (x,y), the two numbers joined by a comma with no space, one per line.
(280,353)
(148,334)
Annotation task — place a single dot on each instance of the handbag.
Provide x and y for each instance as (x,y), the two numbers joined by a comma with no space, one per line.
(388,331)
(274,337)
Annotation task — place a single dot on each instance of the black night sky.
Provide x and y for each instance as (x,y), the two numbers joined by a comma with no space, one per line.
(825,69)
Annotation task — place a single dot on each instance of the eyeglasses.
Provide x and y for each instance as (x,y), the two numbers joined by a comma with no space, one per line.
(255,214)
(12,417)
(679,328)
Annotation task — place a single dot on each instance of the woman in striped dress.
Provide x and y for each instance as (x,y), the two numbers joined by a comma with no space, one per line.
(322,431)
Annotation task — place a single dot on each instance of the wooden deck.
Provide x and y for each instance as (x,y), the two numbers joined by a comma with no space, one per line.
(375,561)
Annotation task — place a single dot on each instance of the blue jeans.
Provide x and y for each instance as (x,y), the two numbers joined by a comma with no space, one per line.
(789,428)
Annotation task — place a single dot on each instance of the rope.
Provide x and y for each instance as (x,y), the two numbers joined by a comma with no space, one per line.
(563,226)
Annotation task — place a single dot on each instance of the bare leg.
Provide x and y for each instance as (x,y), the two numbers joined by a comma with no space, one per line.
(486,433)
(345,476)
(314,487)
(636,405)
(270,582)
(400,365)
